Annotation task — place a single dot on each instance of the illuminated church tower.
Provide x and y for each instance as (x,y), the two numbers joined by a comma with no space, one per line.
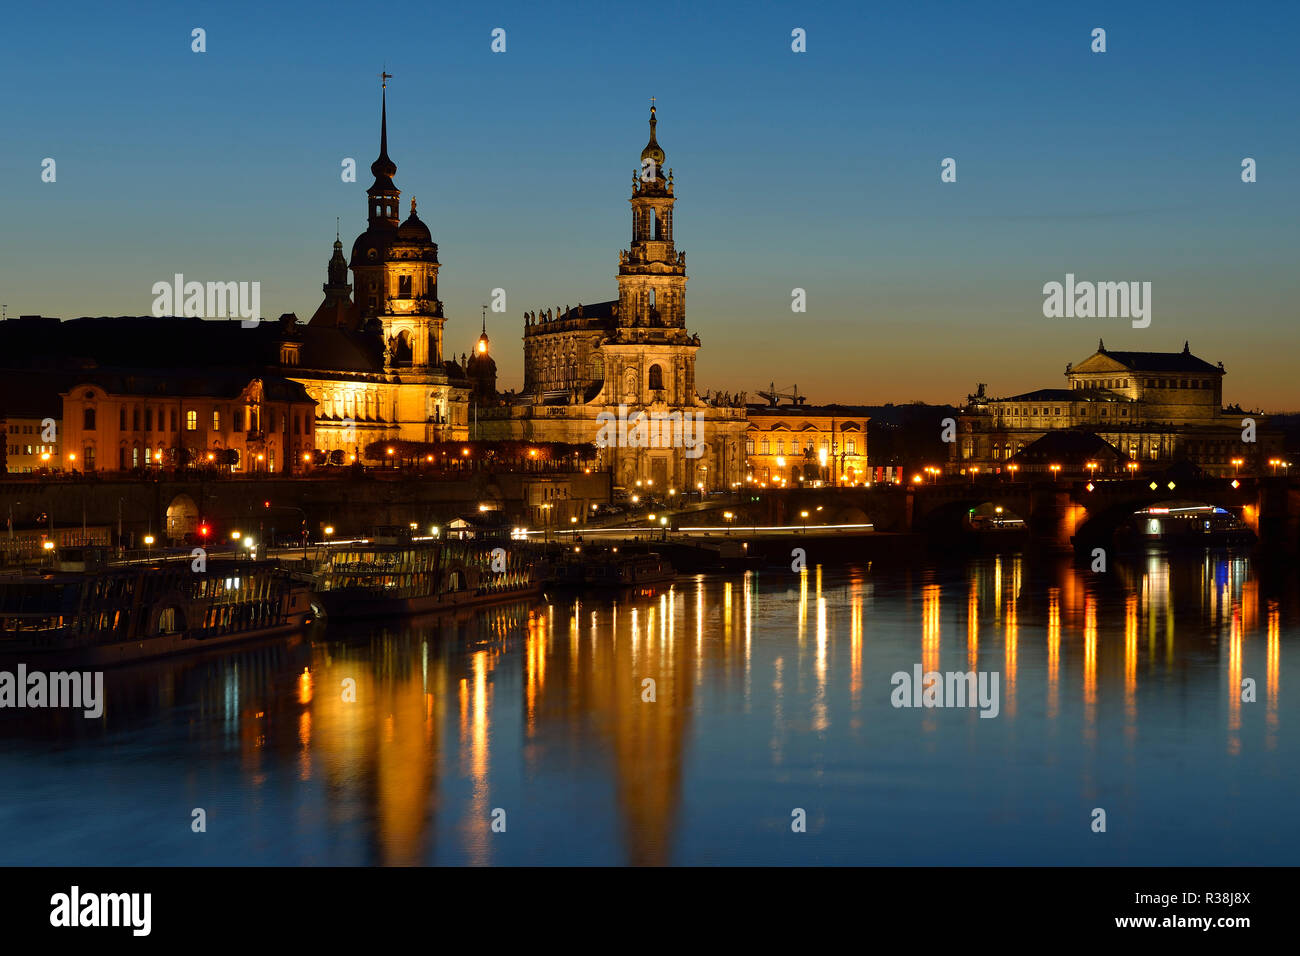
(652,274)
(382,336)
(629,355)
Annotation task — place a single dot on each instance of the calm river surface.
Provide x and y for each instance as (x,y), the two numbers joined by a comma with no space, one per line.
(772,693)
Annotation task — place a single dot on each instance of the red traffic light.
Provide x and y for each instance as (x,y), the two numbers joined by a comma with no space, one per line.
(204,530)
(266,504)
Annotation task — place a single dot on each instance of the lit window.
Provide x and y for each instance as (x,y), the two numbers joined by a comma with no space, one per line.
(216,420)
(191,420)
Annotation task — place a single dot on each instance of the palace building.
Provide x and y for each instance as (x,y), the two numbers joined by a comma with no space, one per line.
(596,364)
(800,444)
(1152,409)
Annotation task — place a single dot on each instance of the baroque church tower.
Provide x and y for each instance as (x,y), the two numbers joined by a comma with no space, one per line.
(628,356)
(383,333)
(652,274)
(395,268)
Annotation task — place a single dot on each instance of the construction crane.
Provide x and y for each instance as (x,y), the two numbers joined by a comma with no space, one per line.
(774,397)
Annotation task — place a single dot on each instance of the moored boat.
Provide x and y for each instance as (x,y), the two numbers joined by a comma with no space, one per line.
(89,611)
(396,573)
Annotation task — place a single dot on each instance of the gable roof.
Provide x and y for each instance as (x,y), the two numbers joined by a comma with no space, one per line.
(1183,361)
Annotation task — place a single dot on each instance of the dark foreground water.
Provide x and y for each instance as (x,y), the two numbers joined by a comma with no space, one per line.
(772,694)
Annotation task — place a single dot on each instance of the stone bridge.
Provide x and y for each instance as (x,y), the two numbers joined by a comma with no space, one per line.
(1056,513)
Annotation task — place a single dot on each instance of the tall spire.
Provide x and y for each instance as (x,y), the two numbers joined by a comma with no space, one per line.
(383,193)
(383,167)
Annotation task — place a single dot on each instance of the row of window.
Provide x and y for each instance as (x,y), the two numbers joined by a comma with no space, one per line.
(1045,411)
(850,446)
(38,449)
(88,422)
(1117,383)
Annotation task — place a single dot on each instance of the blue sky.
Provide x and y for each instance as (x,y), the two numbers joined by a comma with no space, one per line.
(817,170)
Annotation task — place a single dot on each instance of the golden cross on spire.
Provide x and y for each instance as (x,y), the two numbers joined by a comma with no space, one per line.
(652,102)
(384,78)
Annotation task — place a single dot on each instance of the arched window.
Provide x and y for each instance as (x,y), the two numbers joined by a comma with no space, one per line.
(656,377)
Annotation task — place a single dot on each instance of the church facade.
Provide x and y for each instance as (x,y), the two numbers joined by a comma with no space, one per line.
(620,374)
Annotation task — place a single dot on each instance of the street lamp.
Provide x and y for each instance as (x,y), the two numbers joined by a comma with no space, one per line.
(1236,466)
(1013,469)
(1056,470)
(804,516)
(1132,467)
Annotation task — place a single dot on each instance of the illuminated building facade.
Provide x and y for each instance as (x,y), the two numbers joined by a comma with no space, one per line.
(612,360)
(1152,408)
(790,445)
(125,423)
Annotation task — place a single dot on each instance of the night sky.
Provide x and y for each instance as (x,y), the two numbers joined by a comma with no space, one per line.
(816,170)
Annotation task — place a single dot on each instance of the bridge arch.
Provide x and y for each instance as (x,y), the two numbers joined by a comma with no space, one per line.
(182,517)
(1138,522)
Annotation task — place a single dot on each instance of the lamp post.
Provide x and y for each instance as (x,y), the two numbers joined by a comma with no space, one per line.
(803,515)
(1056,470)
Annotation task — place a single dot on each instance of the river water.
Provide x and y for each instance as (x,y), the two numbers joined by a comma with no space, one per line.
(526,734)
